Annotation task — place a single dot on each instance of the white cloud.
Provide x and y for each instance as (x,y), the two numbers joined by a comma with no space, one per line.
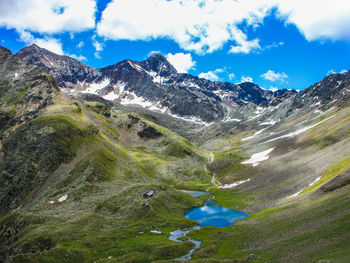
(51,44)
(182,62)
(98,47)
(332,71)
(204,26)
(97,55)
(231,76)
(200,26)
(274,45)
(317,19)
(153,52)
(211,75)
(48,16)
(80,44)
(274,76)
(246,79)
(243,45)
(78,57)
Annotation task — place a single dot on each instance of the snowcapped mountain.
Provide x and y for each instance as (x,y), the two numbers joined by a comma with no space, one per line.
(153,84)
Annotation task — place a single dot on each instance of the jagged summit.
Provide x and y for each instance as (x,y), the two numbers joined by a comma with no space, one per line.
(67,72)
(159,64)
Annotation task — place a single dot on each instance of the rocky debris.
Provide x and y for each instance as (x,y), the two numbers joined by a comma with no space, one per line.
(148,194)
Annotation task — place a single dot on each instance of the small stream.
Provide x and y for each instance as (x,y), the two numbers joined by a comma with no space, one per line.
(210,214)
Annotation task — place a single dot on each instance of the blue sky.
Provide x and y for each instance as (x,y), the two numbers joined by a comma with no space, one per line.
(274,43)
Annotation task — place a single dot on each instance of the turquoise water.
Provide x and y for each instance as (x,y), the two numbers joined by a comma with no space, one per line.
(211,214)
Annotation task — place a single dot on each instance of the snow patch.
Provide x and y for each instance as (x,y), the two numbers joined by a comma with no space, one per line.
(192,119)
(156,231)
(297,193)
(117,92)
(271,123)
(63,198)
(158,107)
(229,119)
(94,87)
(257,158)
(297,132)
(225,186)
(255,134)
(133,99)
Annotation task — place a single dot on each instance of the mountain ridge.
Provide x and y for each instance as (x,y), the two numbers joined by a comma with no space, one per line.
(152,83)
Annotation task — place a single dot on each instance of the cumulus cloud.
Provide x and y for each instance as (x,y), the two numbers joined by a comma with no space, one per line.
(317,19)
(246,79)
(243,45)
(182,62)
(48,16)
(274,76)
(199,26)
(211,75)
(204,26)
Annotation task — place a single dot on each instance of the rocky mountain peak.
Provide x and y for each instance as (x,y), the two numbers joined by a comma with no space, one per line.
(159,64)
(4,52)
(65,70)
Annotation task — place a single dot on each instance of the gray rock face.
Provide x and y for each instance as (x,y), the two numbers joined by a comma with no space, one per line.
(66,71)
(25,90)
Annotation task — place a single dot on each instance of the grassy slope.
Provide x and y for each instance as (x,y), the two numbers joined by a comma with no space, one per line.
(106,218)
(105,177)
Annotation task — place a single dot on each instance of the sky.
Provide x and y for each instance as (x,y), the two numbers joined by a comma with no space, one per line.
(273,43)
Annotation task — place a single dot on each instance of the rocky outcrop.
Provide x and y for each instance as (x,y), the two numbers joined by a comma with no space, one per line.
(24,90)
